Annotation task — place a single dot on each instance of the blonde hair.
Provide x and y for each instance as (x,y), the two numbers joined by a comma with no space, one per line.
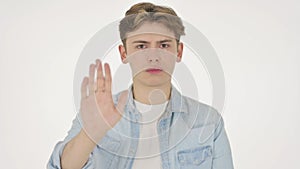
(142,12)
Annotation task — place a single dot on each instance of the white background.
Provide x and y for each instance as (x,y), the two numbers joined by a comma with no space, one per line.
(256,41)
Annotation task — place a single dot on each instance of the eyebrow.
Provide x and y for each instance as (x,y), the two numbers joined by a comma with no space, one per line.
(161,41)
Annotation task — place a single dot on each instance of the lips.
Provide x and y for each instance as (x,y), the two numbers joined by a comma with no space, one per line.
(154,70)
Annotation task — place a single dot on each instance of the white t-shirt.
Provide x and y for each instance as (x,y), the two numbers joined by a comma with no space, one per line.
(147,155)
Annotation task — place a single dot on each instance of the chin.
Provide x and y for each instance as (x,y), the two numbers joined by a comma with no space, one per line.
(153,81)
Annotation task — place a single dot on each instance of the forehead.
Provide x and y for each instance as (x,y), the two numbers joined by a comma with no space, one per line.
(151,31)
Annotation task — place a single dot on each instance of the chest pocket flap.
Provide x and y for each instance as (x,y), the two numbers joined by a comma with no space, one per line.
(191,158)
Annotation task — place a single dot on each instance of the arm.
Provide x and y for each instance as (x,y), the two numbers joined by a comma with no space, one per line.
(222,158)
(76,153)
(98,114)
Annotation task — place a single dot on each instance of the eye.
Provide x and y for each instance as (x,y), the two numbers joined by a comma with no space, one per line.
(141,46)
(164,45)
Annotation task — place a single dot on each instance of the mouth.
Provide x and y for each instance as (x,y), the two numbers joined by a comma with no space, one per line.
(154,70)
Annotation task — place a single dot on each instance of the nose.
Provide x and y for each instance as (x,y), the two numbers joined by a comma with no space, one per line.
(153,57)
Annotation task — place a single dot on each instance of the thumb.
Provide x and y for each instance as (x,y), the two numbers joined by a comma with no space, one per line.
(123,97)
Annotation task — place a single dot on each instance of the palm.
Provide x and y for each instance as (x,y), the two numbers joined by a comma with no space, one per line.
(98,111)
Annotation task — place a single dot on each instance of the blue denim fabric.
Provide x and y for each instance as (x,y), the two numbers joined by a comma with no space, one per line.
(191,134)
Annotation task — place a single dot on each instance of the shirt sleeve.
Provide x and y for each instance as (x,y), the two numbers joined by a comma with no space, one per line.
(54,161)
(222,158)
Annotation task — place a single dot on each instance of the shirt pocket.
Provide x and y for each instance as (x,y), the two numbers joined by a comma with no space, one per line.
(193,158)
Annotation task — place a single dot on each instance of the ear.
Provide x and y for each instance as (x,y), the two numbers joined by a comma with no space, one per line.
(123,55)
(179,52)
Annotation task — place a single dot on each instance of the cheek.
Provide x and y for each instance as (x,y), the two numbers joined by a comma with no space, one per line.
(168,63)
(137,63)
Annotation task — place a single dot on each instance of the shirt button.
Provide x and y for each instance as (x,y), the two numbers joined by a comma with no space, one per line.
(196,162)
(131,151)
(181,160)
(207,153)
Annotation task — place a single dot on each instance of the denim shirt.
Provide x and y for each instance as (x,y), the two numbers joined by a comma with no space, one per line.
(191,136)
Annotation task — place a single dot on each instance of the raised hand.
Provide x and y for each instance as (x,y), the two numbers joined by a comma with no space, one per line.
(97,109)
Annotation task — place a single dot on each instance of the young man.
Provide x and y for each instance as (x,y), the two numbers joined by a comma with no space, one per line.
(150,125)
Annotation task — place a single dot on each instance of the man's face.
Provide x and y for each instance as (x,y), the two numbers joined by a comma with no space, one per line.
(152,52)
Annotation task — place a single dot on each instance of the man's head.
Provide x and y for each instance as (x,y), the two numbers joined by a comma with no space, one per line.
(140,13)
(151,40)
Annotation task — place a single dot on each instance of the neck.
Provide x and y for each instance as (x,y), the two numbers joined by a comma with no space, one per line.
(151,94)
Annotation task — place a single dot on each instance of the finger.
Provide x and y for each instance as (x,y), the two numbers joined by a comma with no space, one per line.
(107,77)
(98,62)
(96,68)
(100,77)
(84,84)
(122,101)
(91,79)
